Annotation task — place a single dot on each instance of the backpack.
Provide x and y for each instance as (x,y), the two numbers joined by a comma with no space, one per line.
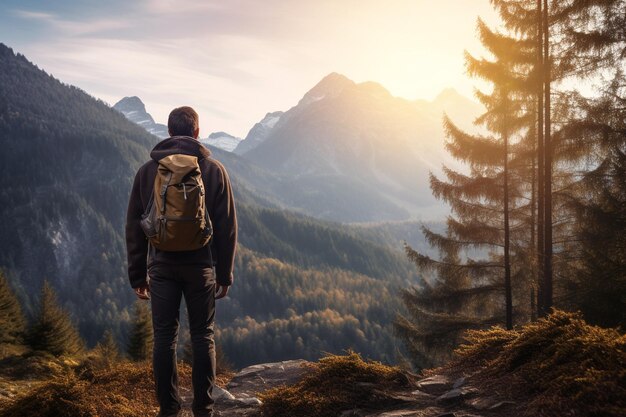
(176,218)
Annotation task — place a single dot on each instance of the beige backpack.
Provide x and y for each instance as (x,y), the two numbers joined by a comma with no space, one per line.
(176,218)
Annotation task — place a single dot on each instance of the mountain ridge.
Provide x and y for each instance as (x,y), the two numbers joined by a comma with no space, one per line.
(345,140)
(349,152)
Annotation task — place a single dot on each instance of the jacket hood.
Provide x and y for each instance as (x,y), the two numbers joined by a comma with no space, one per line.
(179,144)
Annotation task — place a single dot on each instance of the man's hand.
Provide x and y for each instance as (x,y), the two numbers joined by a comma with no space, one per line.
(143,292)
(221,291)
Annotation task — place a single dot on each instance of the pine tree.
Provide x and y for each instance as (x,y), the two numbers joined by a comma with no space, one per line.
(487,213)
(550,175)
(595,280)
(140,340)
(574,39)
(53,330)
(105,353)
(439,313)
(12,322)
(107,347)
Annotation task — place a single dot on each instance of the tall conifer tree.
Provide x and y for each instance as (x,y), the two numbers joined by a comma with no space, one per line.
(487,216)
(12,322)
(52,330)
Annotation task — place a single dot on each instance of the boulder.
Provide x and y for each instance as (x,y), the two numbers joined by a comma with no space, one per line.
(220,393)
(459,382)
(456,395)
(436,384)
(257,378)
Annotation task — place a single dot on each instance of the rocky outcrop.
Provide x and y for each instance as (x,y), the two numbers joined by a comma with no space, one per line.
(434,396)
(239,397)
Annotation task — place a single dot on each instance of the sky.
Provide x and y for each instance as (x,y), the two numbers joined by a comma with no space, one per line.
(236,60)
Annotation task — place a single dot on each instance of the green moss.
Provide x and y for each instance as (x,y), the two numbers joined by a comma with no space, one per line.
(334,384)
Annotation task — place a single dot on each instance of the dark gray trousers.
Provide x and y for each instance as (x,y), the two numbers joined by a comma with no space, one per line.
(197,284)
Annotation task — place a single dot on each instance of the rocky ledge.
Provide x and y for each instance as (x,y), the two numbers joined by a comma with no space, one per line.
(435,396)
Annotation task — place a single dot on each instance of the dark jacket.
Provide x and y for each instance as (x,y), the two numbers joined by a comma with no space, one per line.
(219,203)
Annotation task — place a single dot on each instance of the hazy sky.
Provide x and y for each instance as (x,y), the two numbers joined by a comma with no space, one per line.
(236,60)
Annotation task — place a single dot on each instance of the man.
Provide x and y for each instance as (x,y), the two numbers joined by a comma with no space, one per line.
(201,276)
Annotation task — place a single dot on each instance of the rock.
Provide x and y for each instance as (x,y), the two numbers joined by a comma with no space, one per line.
(416,396)
(447,415)
(220,393)
(437,384)
(489,403)
(452,396)
(257,378)
(501,404)
(421,395)
(459,382)
(353,413)
(250,401)
(456,395)
(401,413)
(481,403)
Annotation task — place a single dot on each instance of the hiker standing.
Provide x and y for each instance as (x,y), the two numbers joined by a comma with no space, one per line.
(181,233)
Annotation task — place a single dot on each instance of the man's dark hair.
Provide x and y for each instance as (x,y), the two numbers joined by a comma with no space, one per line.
(183,121)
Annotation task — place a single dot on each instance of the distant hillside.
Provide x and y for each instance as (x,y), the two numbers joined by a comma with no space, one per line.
(67,168)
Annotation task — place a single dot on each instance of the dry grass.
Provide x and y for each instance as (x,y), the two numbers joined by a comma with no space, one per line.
(125,389)
(559,365)
(35,365)
(334,384)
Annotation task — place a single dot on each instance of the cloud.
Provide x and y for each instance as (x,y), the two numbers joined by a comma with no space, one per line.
(236,60)
(74,27)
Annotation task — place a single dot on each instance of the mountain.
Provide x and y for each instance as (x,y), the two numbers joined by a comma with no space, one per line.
(222,140)
(302,286)
(355,153)
(67,167)
(348,152)
(135,111)
(259,132)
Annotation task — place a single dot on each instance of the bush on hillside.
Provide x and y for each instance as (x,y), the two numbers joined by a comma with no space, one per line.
(89,390)
(334,384)
(559,365)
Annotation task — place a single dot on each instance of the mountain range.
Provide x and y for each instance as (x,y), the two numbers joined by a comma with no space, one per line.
(135,110)
(303,286)
(350,152)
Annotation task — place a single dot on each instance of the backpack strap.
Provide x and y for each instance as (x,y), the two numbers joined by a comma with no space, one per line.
(164,190)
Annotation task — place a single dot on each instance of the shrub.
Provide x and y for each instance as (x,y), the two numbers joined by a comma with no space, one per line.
(334,384)
(558,364)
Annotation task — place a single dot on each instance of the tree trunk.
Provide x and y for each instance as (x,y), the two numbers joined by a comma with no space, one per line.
(547,176)
(533,234)
(540,161)
(507,260)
